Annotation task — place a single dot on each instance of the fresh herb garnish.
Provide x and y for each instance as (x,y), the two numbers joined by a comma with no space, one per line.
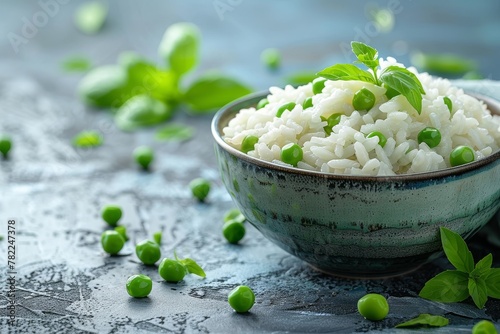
(425,320)
(87,139)
(393,78)
(191,266)
(479,281)
(175,132)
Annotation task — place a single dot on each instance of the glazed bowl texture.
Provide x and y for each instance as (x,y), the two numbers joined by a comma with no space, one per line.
(357,226)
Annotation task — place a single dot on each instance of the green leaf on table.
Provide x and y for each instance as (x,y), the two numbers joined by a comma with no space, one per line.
(425,320)
(90,16)
(493,283)
(445,63)
(365,54)
(179,47)
(175,132)
(483,267)
(76,64)
(192,267)
(456,250)
(140,111)
(478,291)
(104,86)
(449,286)
(87,139)
(213,90)
(300,78)
(405,83)
(346,72)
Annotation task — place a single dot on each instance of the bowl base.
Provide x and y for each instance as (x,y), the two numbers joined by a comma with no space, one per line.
(370,276)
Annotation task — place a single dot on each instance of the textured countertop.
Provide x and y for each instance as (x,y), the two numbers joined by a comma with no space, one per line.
(66,284)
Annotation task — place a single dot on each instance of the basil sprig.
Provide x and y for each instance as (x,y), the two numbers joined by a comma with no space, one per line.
(425,320)
(478,281)
(393,78)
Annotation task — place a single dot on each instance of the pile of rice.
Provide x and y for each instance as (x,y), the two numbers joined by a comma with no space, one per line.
(347,150)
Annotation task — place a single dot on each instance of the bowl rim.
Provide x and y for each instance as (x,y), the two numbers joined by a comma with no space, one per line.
(492,104)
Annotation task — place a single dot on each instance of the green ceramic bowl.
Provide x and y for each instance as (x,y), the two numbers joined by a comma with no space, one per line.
(357,226)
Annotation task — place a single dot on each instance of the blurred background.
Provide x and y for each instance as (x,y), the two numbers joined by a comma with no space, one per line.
(310,35)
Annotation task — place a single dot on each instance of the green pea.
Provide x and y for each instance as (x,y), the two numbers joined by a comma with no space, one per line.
(157,237)
(448,102)
(200,188)
(461,155)
(308,103)
(5,145)
(288,106)
(171,270)
(363,99)
(318,86)
(373,306)
(262,103)
(139,286)
(291,154)
(123,232)
(234,214)
(111,214)
(143,155)
(248,143)
(331,121)
(484,327)
(241,299)
(148,252)
(430,136)
(112,242)
(233,231)
(381,138)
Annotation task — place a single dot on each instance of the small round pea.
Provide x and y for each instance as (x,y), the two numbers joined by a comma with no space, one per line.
(234,214)
(123,231)
(373,306)
(148,252)
(331,121)
(363,99)
(318,86)
(461,155)
(381,138)
(139,286)
(484,327)
(200,188)
(233,231)
(111,214)
(291,154)
(144,155)
(308,103)
(248,143)
(157,236)
(171,270)
(241,298)
(112,242)
(430,136)
(5,145)
(287,106)
(262,103)
(448,102)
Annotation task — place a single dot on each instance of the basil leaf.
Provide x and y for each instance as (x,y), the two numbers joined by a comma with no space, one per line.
(483,266)
(346,72)
(448,287)
(425,320)
(493,283)
(76,64)
(212,91)
(456,250)
(87,139)
(193,267)
(142,110)
(90,17)
(301,78)
(478,291)
(404,82)
(177,132)
(105,86)
(365,54)
(179,47)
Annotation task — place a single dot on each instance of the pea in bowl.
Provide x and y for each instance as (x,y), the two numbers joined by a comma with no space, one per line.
(357,226)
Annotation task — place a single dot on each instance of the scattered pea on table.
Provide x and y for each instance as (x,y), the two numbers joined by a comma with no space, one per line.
(373,306)
(241,299)
(148,252)
(5,145)
(200,188)
(171,270)
(139,286)
(111,214)
(144,155)
(233,231)
(112,242)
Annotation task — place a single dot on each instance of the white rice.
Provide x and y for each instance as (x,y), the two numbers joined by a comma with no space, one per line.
(347,150)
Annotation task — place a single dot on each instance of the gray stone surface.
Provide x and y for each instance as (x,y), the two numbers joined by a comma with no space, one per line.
(66,284)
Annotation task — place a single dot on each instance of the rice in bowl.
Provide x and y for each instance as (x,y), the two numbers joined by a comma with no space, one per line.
(347,149)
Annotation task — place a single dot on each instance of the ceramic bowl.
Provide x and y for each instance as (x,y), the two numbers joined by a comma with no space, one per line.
(357,226)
